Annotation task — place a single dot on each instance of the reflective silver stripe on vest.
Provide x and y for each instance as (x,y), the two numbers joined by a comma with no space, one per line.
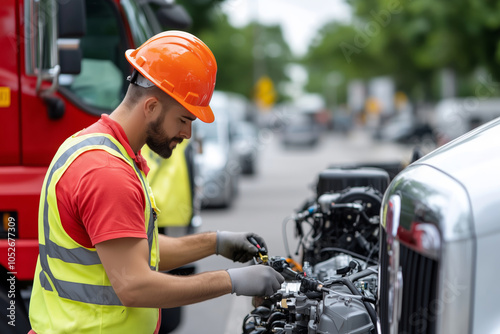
(72,255)
(44,282)
(87,293)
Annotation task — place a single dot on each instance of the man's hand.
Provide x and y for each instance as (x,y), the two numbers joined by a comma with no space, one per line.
(255,280)
(235,245)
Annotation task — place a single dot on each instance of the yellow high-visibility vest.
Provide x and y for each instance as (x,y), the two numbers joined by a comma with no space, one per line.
(72,292)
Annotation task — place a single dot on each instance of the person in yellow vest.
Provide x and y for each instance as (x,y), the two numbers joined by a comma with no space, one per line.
(171,182)
(100,251)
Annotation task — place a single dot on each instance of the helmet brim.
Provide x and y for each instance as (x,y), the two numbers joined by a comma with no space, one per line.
(204,114)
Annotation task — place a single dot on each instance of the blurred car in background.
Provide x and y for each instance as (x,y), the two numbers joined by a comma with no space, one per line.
(300,131)
(405,128)
(245,143)
(217,161)
(342,121)
(457,116)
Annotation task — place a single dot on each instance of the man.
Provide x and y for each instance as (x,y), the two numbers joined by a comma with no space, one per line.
(99,245)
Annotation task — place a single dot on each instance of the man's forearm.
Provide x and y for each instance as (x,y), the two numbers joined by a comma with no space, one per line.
(176,252)
(126,263)
(166,291)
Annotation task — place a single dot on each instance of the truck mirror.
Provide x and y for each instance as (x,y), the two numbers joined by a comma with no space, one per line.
(55,28)
(71,26)
(70,55)
(55,107)
(71,19)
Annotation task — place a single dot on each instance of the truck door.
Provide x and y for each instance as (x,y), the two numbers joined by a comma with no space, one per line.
(98,88)
(9,85)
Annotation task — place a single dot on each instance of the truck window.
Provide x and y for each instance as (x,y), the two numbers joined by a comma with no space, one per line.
(141,25)
(101,83)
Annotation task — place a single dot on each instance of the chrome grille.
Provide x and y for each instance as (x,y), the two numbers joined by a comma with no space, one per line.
(420,307)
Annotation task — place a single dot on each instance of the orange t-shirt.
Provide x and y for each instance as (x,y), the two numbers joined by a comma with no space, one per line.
(99,197)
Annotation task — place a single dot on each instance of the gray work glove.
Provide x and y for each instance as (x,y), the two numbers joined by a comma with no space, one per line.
(235,245)
(255,280)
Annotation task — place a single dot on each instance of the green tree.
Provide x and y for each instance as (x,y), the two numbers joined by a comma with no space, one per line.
(202,13)
(412,41)
(244,54)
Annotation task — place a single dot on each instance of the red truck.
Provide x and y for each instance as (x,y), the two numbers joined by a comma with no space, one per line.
(62,65)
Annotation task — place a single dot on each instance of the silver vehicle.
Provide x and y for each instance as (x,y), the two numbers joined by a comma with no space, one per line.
(218,163)
(440,236)
(246,144)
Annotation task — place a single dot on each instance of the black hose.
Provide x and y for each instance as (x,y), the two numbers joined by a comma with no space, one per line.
(363,273)
(244,325)
(280,324)
(276,316)
(314,295)
(371,312)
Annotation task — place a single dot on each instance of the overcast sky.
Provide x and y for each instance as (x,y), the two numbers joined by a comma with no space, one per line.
(300,19)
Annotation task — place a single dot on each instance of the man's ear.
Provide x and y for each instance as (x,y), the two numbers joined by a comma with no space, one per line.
(151,107)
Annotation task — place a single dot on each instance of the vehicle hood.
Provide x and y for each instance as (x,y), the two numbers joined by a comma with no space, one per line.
(473,160)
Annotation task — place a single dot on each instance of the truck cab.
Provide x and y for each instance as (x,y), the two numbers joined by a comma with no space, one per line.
(62,66)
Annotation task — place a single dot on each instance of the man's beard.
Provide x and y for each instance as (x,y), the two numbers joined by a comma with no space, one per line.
(158,141)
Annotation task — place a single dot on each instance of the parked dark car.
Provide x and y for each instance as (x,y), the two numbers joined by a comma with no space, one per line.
(300,131)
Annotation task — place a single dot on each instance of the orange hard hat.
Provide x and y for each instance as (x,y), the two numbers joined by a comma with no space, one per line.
(182,66)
